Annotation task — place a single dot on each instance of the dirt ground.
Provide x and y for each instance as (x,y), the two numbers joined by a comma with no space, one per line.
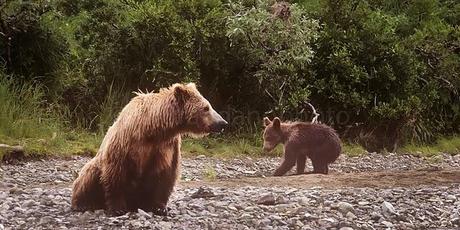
(387,179)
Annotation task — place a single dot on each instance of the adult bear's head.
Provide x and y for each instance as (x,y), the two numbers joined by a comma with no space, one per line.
(199,116)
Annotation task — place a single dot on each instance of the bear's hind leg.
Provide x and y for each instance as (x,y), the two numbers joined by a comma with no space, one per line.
(114,190)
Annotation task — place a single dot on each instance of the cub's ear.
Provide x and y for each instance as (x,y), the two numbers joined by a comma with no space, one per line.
(276,122)
(181,93)
(267,121)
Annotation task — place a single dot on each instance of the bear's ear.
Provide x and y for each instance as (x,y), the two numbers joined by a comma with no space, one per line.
(276,122)
(191,85)
(180,93)
(267,121)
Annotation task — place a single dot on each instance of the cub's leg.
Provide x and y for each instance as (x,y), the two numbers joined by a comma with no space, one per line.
(301,161)
(290,158)
(319,167)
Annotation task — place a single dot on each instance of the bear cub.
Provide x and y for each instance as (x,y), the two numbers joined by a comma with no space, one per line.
(318,142)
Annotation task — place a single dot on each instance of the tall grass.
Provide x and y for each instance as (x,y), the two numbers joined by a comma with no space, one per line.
(21,111)
(449,145)
(24,120)
(111,106)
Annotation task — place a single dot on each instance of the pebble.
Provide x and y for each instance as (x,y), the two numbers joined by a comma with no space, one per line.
(345,207)
(143,213)
(346,228)
(268,199)
(387,224)
(388,208)
(30,198)
(451,198)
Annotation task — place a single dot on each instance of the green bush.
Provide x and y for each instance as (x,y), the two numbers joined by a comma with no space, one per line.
(384,73)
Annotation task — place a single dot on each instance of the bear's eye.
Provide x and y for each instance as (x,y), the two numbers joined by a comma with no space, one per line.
(206,109)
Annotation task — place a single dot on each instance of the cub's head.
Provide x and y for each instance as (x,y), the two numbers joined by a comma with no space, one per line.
(272,133)
(199,116)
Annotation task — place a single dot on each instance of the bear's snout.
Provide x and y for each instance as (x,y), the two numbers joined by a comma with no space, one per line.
(218,126)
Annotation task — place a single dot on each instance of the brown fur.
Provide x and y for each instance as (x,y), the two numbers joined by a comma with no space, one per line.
(138,161)
(318,142)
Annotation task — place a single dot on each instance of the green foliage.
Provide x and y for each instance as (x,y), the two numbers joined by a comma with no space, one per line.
(449,145)
(353,150)
(381,72)
(209,173)
(28,47)
(387,68)
(228,147)
(25,121)
(276,52)
(21,115)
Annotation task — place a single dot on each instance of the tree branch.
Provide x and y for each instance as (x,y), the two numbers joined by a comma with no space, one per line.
(315,118)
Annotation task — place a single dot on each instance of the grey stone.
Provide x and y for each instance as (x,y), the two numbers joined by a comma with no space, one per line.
(387,208)
(345,207)
(143,213)
(346,228)
(268,199)
(387,224)
(451,198)
(351,216)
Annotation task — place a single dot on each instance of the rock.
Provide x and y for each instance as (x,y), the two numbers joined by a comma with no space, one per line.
(327,203)
(16,190)
(456,158)
(387,224)
(451,198)
(28,203)
(303,201)
(346,228)
(363,203)
(345,207)
(143,213)
(387,208)
(45,220)
(200,157)
(326,221)
(246,216)
(232,208)
(203,192)
(265,222)
(375,216)
(455,221)
(268,199)
(281,200)
(350,216)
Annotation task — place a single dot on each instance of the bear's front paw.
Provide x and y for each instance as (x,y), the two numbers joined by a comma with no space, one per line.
(118,212)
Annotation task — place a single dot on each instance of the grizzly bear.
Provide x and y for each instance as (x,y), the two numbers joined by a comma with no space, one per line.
(138,161)
(318,142)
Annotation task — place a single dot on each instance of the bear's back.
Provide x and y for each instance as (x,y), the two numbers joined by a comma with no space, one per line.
(314,134)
